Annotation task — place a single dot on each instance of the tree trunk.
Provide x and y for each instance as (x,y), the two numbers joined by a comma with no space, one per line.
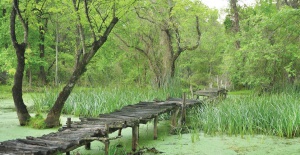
(3,75)
(52,119)
(173,68)
(56,52)
(21,108)
(236,21)
(42,73)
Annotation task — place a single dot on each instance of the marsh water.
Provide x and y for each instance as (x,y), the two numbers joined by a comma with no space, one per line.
(181,144)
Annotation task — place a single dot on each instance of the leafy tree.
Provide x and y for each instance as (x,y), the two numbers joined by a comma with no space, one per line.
(165,31)
(201,67)
(99,18)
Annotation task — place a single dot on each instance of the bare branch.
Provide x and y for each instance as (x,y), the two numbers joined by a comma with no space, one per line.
(81,33)
(147,19)
(130,46)
(198,36)
(103,19)
(182,49)
(97,44)
(88,18)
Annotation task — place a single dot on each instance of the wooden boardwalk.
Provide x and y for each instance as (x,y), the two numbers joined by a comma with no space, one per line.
(83,132)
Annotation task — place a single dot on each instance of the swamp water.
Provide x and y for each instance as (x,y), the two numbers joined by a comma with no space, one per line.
(182,144)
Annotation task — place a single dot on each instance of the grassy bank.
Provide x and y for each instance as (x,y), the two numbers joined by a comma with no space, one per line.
(272,114)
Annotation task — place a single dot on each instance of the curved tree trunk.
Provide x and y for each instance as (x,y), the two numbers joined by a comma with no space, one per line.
(21,109)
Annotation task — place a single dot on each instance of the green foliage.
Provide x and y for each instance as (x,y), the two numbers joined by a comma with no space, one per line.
(201,66)
(268,55)
(241,92)
(37,122)
(275,114)
(5,91)
(44,101)
(228,23)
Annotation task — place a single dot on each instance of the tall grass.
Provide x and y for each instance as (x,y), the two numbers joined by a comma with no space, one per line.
(95,101)
(273,114)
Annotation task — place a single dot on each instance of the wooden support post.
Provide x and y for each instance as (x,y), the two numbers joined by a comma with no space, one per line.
(135,138)
(138,131)
(106,147)
(155,127)
(183,111)
(106,130)
(174,117)
(106,142)
(120,132)
(69,122)
(88,146)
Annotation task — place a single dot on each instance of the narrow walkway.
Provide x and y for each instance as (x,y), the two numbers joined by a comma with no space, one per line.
(83,132)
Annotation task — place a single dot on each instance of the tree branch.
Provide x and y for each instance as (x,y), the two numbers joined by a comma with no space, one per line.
(24,23)
(180,50)
(88,18)
(97,44)
(130,46)
(198,36)
(103,19)
(13,27)
(147,19)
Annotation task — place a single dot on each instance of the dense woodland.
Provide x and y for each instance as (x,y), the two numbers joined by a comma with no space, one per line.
(99,43)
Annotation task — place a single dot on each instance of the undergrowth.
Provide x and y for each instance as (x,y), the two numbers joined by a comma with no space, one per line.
(37,122)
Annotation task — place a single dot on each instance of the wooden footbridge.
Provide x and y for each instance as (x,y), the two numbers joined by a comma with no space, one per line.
(78,133)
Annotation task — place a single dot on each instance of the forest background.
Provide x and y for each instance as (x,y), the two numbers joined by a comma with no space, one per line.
(149,44)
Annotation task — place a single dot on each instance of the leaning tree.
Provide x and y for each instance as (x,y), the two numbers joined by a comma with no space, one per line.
(95,20)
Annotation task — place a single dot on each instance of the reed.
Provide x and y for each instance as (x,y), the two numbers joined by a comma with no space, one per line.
(95,101)
(273,114)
